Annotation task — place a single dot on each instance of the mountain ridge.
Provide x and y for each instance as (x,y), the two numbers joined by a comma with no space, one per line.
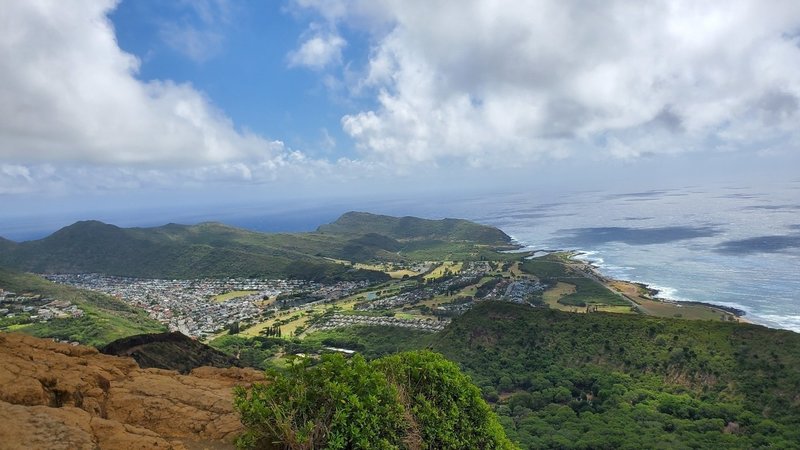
(409,227)
(214,250)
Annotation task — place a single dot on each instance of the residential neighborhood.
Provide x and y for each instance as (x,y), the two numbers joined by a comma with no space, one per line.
(24,308)
(346,320)
(203,307)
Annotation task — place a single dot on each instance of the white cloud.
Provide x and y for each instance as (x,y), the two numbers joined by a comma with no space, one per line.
(69,94)
(487,82)
(292,169)
(319,49)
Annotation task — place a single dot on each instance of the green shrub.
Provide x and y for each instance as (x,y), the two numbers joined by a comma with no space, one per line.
(446,407)
(336,404)
(410,400)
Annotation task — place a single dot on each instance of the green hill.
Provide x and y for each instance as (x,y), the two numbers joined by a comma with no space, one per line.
(6,245)
(217,250)
(605,380)
(414,228)
(580,381)
(104,320)
(176,251)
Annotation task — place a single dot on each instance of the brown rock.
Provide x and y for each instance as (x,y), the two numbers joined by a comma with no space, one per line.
(61,396)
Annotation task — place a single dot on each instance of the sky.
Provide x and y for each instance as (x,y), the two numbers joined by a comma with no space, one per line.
(155,110)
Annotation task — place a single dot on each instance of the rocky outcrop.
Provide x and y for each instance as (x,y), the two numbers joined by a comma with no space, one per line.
(172,351)
(58,396)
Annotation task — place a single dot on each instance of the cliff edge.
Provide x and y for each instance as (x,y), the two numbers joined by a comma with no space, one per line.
(59,396)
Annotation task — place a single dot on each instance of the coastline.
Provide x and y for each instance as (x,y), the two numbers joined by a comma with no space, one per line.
(653,292)
(646,297)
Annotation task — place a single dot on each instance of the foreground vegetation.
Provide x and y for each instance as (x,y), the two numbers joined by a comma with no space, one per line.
(653,382)
(560,380)
(408,400)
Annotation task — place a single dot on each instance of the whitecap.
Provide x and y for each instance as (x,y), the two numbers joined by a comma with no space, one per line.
(589,257)
(789,322)
(665,292)
(735,305)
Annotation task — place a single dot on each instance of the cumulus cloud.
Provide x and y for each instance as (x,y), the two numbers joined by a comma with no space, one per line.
(484,81)
(69,94)
(318,50)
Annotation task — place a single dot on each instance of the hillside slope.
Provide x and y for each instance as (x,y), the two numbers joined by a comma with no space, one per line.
(6,245)
(648,381)
(105,318)
(578,381)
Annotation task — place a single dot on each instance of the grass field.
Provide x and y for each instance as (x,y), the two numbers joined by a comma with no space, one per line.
(667,309)
(564,290)
(554,294)
(287,328)
(389,269)
(256,329)
(438,272)
(231,295)
(397,274)
(545,268)
(616,309)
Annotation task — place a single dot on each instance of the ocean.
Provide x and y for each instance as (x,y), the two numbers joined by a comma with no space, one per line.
(736,246)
